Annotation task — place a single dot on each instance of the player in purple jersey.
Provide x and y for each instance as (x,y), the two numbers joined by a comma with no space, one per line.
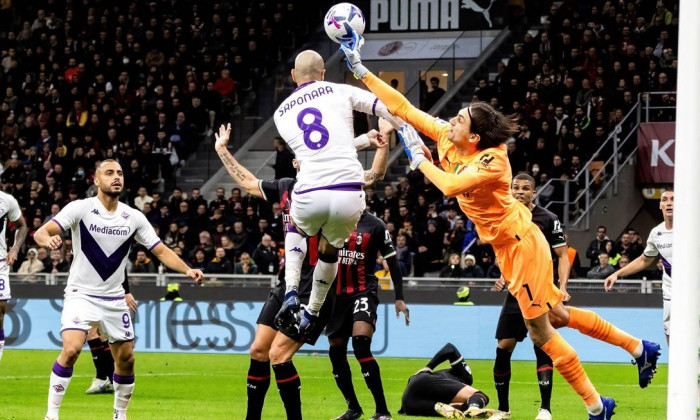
(103,230)
(9,210)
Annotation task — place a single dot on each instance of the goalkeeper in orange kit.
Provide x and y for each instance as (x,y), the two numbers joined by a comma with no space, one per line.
(472,152)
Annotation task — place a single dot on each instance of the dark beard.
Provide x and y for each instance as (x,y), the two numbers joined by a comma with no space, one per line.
(113,194)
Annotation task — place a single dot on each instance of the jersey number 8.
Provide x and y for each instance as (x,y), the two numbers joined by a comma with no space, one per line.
(314,127)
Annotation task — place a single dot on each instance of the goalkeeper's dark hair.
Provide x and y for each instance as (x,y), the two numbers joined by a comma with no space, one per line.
(491,125)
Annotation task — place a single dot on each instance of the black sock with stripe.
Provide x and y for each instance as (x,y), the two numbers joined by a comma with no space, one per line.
(289,386)
(258,383)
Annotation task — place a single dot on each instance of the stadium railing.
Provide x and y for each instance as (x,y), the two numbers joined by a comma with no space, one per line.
(632,286)
(599,178)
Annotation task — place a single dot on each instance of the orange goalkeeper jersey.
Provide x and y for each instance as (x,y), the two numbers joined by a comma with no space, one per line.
(481,181)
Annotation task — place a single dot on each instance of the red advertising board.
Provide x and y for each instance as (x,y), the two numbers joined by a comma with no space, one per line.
(657,152)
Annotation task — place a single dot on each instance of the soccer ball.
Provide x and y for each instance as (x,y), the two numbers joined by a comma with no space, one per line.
(340,19)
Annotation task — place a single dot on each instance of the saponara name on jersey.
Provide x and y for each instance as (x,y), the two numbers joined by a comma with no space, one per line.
(347,257)
(306,97)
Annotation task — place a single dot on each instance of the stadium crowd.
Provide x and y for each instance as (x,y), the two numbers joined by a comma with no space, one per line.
(144,82)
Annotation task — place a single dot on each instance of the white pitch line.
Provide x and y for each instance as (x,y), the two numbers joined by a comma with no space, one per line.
(302,376)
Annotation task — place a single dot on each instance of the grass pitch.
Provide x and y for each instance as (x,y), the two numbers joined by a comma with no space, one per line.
(207,386)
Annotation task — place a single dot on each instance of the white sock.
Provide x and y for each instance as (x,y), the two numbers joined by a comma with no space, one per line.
(596,408)
(324,274)
(2,347)
(58,384)
(122,394)
(295,248)
(638,351)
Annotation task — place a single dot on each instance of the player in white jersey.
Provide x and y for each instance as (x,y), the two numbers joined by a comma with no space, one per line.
(103,230)
(9,210)
(316,121)
(659,245)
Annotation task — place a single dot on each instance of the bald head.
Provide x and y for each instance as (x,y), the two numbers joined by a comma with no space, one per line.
(308,66)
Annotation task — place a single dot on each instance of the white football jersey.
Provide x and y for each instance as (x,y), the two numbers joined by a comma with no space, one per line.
(316,122)
(101,244)
(9,210)
(660,243)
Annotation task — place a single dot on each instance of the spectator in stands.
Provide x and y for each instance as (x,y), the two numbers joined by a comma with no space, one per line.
(404,255)
(143,264)
(199,260)
(220,264)
(627,247)
(452,269)
(603,269)
(434,94)
(613,255)
(141,198)
(622,263)
(219,201)
(284,158)
(239,237)
(173,235)
(471,270)
(32,264)
(494,272)
(429,257)
(245,265)
(597,245)
(205,244)
(196,199)
(58,265)
(266,256)
(485,261)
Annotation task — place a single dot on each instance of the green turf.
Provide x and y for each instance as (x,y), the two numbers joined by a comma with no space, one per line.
(181,386)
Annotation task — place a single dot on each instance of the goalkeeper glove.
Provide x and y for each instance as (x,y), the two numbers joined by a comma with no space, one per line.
(352,55)
(412,145)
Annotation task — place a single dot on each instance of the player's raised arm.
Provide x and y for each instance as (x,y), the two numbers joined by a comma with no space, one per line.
(381,156)
(640,263)
(484,172)
(238,172)
(172,261)
(396,103)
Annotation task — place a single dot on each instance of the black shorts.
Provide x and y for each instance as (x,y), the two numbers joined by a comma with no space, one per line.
(274,303)
(511,323)
(424,389)
(350,309)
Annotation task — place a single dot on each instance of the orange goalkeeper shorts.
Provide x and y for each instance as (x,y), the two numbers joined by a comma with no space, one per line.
(527,267)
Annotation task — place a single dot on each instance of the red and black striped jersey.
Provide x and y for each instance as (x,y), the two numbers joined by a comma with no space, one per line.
(357,258)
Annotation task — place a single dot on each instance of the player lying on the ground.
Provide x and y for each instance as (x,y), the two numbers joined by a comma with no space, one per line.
(355,311)
(446,392)
(269,346)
